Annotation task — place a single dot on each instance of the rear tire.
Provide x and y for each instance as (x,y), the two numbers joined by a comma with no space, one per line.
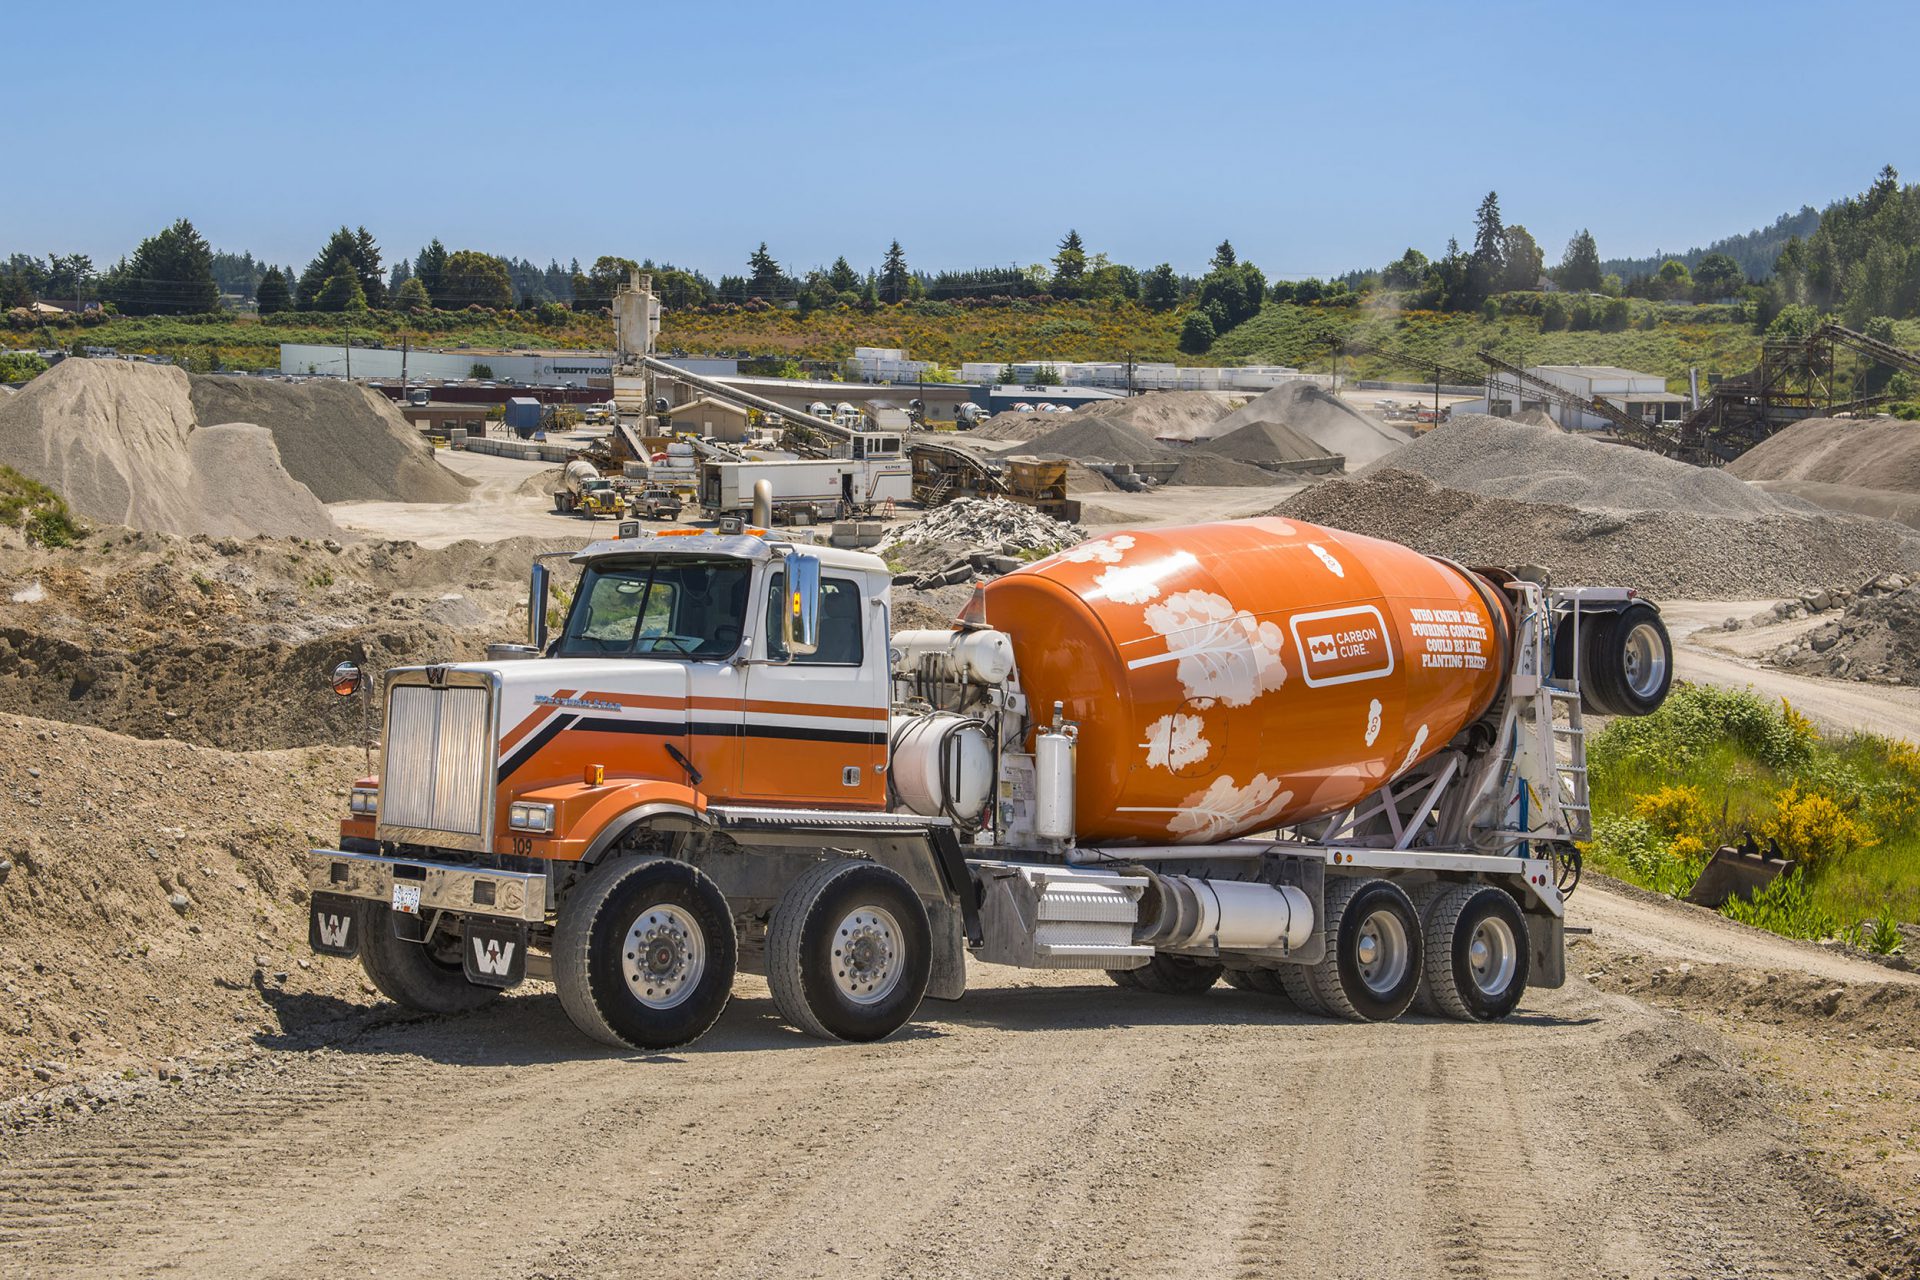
(644,954)
(849,951)
(1166,975)
(427,976)
(1296,981)
(1265,982)
(1478,953)
(1374,951)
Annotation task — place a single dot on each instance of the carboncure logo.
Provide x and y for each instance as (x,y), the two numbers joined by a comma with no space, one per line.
(1340,646)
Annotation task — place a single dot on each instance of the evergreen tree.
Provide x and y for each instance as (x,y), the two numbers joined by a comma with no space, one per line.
(366,265)
(1580,266)
(1488,260)
(1522,260)
(764,276)
(429,268)
(401,273)
(1196,332)
(273,294)
(340,253)
(169,274)
(1223,257)
(1069,266)
(411,296)
(842,276)
(894,277)
(474,279)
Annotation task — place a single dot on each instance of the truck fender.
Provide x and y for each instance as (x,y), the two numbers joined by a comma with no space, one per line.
(673,813)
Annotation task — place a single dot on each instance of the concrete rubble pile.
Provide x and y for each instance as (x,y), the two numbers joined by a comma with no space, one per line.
(1873,636)
(991,535)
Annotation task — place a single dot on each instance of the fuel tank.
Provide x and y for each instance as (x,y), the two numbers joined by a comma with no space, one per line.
(1230,678)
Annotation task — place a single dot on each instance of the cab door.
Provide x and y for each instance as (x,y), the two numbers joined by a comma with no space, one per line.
(814,726)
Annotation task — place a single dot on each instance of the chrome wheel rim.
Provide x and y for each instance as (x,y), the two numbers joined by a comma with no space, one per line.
(663,957)
(1492,956)
(866,955)
(1381,953)
(1644,661)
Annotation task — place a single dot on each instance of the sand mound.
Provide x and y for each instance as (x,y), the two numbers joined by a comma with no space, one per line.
(1501,458)
(115,439)
(1098,440)
(1873,453)
(1326,420)
(1671,554)
(346,443)
(241,489)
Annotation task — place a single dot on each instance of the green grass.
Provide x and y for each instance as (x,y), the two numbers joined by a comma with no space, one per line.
(1712,766)
(1376,343)
(29,505)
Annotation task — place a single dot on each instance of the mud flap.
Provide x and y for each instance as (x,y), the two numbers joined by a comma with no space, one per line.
(333,925)
(948,979)
(1548,935)
(494,953)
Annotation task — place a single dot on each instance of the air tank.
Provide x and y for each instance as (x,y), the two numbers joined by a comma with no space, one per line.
(1230,678)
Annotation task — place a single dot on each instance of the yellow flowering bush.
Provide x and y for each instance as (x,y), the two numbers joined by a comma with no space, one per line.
(1812,828)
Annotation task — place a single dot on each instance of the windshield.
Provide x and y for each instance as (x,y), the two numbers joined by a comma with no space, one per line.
(658,607)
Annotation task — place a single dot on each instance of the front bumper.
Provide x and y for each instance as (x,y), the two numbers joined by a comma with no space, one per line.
(476,891)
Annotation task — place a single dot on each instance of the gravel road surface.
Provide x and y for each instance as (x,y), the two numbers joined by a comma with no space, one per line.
(1048,1125)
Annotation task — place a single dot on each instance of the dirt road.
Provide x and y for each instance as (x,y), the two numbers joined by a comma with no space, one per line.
(1039,1128)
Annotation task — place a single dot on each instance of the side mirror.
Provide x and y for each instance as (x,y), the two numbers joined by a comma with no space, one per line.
(537,608)
(800,612)
(346,679)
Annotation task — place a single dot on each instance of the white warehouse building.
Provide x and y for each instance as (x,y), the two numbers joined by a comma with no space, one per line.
(1644,395)
(535,368)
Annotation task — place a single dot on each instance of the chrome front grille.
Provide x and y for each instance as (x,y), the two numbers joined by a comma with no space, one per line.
(439,760)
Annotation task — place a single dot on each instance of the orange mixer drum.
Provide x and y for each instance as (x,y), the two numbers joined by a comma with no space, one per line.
(1230,678)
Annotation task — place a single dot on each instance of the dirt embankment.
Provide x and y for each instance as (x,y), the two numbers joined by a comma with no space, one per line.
(152,902)
(228,643)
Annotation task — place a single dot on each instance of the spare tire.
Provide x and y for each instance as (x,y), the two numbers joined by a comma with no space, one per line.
(1628,658)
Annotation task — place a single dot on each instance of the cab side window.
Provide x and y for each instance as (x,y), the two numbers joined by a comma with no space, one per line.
(840,642)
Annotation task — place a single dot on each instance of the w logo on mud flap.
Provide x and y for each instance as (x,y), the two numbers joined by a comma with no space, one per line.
(496,953)
(333,928)
(330,925)
(492,956)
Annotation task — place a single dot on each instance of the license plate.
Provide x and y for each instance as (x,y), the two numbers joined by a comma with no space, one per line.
(406,897)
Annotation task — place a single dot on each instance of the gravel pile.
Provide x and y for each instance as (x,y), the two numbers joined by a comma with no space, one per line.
(1209,469)
(120,442)
(1271,443)
(971,526)
(1868,453)
(346,443)
(1876,637)
(1328,421)
(1672,554)
(1098,440)
(1158,415)
(1502,458)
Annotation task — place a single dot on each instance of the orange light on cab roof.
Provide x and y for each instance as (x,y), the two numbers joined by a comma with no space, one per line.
(596,775)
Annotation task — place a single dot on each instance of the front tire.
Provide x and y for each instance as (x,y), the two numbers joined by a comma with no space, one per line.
(1478,953)
(849,951)
(427,976)
(1371,970)
(644,954)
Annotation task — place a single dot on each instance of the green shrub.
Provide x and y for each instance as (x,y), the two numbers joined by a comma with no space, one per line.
(1785,907)
(27,504)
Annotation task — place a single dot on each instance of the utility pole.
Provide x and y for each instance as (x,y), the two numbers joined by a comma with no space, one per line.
(403,365)
(347,324)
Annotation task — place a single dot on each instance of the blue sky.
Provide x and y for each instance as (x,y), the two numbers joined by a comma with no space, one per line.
(1318,137)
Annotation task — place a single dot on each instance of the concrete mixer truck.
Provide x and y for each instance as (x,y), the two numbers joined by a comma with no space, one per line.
(1312,764)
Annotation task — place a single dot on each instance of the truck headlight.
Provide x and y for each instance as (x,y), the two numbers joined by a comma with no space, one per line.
(363,802)
(523,816)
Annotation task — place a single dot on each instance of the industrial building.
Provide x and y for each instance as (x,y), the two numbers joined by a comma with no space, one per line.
(544,368)
(437,417)
(1643,395)
(1120,376)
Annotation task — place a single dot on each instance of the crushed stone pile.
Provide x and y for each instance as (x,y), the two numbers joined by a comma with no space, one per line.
(1321,417)
(1876,637)
(1158,415)
(346,443)
(1197,467)
(116,439)
(971,526)
(1675,554)
(1268,443)
(1499,457)
(1098,440)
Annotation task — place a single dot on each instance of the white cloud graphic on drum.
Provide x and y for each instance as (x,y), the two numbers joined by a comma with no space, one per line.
(1174,742)
(1413,752)
(1222,652)
(1223,807)
(1373,722)
(1334,567)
